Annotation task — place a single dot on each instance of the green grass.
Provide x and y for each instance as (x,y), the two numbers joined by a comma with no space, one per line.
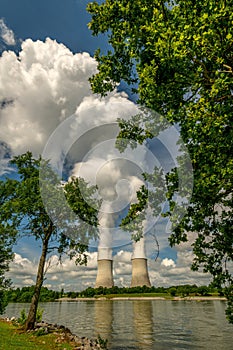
(11,338)
(135,295)
(167,296)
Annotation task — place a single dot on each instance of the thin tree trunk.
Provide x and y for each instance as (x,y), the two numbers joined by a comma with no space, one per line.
(31,319)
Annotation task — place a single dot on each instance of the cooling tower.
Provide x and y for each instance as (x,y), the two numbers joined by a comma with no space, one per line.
(104,269)
(140,276)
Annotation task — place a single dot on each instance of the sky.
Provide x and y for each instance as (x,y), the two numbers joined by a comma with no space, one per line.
(46,60)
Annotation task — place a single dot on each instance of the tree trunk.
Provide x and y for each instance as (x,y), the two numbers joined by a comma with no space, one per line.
(31,319)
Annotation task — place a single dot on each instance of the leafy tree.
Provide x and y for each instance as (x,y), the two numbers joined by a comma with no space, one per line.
(26,293)
(203,290)
(180,54)
(184,290)
(172,291)
(72,294)
(6,256)
(23,209)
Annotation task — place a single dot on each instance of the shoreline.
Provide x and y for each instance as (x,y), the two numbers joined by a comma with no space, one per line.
(192,298)
(62,335)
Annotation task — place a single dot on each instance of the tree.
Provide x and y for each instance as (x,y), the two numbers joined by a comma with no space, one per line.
(172,291)
(6,256)
(23,203)
(180,54)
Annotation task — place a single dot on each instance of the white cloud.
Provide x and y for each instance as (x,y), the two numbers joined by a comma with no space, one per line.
(6,34)
(73,277)
(54,278)
(4,158)
(21,265)
(46,83)
(28,282)
(168,273)
(68,274)
(122,267)
(168,262)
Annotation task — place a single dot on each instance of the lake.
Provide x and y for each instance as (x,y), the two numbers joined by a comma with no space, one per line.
(143,324)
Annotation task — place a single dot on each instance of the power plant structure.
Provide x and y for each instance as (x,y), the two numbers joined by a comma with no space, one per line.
(140,275)
(104,270)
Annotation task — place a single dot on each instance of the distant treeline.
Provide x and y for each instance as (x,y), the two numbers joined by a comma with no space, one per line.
(24,295)
(181,290)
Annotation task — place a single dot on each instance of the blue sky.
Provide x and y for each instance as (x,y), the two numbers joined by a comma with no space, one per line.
(47,85)
(65,21)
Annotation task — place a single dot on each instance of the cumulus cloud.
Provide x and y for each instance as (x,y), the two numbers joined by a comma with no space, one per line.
(22,264)
(73,277)
(168,262)
(122,266)
(68,274)
(7,34)
(45,83)
(167,272)
(4,158)
(28,282)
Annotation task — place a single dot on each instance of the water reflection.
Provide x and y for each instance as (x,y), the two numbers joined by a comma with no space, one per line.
(133,318)
(103,316)
(143,324)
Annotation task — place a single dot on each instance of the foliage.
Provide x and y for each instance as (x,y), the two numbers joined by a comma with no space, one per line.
(41,331)
(23,318)
(102,342)
(172,291)
(3,301)
(7,237)
(181,290)
(12,339)
(23,211)
(39,314)
(180,53)
(204,290)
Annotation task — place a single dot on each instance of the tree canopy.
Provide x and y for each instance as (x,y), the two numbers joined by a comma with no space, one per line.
(7,237)
(23,209)
(180,55)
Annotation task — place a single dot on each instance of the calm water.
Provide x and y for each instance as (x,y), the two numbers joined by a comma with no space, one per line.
(143,325)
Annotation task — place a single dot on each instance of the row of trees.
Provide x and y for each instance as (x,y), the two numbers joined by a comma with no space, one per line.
(183,290)
(25,294)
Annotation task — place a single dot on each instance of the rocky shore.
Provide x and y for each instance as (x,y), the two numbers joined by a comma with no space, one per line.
(63,334)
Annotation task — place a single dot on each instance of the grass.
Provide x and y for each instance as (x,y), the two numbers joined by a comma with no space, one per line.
(166,296)
(12,338)
(135,295)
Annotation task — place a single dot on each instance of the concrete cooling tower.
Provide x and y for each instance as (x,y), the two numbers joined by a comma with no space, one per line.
(140,276)
(104,269)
